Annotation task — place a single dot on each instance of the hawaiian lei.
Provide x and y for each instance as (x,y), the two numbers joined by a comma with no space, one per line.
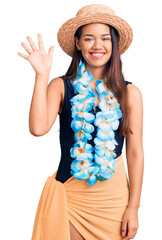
(106,120)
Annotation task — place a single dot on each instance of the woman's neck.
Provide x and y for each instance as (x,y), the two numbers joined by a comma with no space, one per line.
(97,72)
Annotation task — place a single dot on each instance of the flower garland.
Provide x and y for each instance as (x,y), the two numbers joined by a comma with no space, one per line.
(106,120)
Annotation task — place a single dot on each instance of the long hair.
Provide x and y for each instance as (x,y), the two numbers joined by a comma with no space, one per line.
(113,74)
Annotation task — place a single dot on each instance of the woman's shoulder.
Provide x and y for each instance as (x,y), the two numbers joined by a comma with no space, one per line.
(57,82)
(61,80)
(133,90)
(60,84)
(56,86)
(134,93)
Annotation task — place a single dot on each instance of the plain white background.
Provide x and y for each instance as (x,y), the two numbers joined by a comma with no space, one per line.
(26,161)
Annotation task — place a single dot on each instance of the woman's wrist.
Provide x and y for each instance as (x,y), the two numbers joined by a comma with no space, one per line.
(133,206)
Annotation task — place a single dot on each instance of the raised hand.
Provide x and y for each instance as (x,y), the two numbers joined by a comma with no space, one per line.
(40,61)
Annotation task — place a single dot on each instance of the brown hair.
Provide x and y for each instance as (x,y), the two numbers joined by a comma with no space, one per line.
(113,73)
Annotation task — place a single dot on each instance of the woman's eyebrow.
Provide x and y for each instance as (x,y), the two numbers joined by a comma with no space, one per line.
(91,35)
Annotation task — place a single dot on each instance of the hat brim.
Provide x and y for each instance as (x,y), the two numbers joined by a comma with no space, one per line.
(65,35)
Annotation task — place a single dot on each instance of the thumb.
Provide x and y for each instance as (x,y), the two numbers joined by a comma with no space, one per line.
(124,228)
(50,51)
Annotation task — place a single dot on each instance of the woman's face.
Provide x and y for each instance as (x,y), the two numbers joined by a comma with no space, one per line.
(95,44)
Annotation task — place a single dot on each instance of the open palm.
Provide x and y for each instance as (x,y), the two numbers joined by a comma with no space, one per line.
(38,58)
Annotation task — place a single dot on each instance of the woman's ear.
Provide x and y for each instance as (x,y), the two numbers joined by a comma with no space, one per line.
(77,43)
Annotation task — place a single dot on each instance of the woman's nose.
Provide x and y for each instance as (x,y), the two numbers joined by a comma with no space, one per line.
(97,44)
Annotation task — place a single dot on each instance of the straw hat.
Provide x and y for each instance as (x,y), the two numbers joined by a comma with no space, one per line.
(94,13)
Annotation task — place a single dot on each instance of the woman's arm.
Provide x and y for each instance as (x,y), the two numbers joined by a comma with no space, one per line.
(45,104)
(134,145)
(135,161)
(46,99)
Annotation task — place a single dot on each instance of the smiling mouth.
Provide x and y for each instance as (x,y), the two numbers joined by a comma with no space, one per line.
(97,54)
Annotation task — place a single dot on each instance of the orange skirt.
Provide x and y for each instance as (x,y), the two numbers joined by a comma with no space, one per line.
(95,211)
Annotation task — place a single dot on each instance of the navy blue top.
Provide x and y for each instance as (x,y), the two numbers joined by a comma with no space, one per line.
(67,134)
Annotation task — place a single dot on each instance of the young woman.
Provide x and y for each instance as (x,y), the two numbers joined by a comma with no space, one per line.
(89,196)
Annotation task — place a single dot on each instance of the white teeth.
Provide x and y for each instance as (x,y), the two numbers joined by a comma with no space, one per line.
(97,54)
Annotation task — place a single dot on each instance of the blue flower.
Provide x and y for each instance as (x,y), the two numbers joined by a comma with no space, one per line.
(81,151)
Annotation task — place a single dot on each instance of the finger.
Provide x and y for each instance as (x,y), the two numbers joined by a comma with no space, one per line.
(23,55)
(26,48)
(32,44)
(40,42)
(50,51)
(126,238)
(124,228)
(132,232)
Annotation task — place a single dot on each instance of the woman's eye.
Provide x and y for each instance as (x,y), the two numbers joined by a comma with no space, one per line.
(106,39)
(88,39)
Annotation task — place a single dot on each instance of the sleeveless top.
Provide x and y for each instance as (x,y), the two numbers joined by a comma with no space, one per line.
(67,135)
